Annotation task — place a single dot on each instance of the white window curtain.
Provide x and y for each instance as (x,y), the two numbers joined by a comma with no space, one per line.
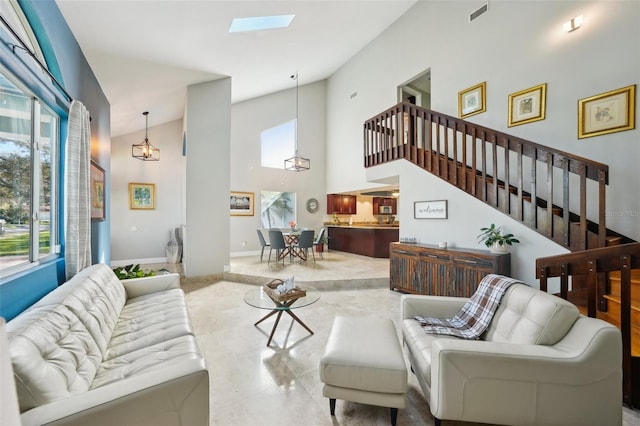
(77,194)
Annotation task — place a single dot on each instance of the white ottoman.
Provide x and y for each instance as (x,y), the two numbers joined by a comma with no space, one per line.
(363,363)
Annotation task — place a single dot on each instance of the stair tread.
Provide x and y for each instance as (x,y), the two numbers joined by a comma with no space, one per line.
(616,299)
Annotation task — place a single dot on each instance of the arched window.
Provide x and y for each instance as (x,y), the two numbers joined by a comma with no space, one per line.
(29,147)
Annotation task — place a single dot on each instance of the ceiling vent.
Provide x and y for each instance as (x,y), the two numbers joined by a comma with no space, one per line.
(477,13)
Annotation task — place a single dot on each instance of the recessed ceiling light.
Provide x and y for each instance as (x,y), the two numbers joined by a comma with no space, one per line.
(258,23)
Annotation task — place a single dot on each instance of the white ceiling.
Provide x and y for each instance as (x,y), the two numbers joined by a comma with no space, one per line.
(144,53)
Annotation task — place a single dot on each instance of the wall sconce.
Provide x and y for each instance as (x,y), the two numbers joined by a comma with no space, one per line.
(573,24)
(145,151)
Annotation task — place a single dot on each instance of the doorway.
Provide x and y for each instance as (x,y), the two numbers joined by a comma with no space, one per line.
(417,90)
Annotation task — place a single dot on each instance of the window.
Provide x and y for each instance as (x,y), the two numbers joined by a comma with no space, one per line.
(277,209)
(278,143)
(28,163)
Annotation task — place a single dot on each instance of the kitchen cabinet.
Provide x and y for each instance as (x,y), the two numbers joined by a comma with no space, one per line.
(386,202)
(427,269)
(341,204)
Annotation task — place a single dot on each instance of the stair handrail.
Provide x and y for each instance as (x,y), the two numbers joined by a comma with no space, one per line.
(428,136)
(589,264)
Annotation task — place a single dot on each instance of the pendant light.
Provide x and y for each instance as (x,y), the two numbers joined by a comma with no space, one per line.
(145,151)
(297,163)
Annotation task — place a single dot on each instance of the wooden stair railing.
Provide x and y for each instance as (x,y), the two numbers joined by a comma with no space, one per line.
(588,265)
(536,185)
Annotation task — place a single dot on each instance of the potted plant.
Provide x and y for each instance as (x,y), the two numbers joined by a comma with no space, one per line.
(132,271)
(324,240)
(493,238)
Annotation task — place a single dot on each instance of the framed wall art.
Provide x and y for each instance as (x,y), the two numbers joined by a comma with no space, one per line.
(436,209)
(241,203)
(527,105)
(142,196)
(608,112)
(96,176)
(472,100)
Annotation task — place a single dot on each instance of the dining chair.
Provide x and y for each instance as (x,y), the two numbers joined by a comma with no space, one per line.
(263,243)
(276,241)
(304,244)
(319,240)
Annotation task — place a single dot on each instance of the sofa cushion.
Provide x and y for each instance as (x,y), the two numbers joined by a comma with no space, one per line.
(149,319)
(419,343)
(529,316)
(54,356)
(95,296)
(160,355)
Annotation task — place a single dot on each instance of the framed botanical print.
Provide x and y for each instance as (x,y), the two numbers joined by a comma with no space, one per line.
(608,112)
(527,105)
(472,100)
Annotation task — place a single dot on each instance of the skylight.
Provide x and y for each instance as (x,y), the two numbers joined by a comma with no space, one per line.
(258,23)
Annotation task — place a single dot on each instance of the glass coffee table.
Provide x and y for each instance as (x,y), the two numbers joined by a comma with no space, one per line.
(258,298)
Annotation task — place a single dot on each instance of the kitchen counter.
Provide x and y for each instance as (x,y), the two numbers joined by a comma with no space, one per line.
(365,225)
(367,240)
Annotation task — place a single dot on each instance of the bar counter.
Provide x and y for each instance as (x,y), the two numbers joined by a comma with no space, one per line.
(364,239)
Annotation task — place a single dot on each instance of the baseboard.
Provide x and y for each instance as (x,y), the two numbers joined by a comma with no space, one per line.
(245,253)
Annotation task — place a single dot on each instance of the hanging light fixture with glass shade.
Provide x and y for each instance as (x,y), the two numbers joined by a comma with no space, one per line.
(145,151)
(297,163)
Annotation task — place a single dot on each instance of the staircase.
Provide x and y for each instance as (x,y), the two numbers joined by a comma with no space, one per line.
(557,194)
(537,185)
(622,264)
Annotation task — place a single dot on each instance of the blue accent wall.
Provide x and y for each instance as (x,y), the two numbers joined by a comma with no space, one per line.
(67,63)
(27,288)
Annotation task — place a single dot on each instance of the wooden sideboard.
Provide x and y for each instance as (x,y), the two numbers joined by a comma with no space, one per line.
(428,269)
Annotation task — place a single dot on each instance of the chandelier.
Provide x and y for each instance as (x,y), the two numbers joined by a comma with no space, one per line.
(297,163)
(145,151)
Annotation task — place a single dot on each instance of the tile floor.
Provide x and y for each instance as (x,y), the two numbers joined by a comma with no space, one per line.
(252,384)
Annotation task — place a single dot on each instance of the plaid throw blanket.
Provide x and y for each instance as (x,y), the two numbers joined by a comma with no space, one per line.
(475,316)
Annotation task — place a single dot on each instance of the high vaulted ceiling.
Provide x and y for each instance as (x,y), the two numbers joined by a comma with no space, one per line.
(145,53)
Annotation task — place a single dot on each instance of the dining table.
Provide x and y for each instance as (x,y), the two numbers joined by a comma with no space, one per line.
(291,239)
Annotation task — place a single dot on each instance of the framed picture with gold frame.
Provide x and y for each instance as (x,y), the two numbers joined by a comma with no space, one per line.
(142,196)
(241,203)
(96,174)
(527,105)
(472,100)
(609,112)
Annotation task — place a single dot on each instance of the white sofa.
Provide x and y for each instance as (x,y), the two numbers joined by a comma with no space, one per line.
(540,362)
(99,351)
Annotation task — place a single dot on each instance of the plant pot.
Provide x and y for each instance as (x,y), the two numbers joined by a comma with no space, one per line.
(499,249)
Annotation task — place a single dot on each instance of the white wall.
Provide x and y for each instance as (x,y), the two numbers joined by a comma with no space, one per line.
(206,245)
(466,215)
(248,120)
(140,235)
(514,46)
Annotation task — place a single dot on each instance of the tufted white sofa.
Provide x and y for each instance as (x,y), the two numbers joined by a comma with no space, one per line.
(540,362)
(99,351)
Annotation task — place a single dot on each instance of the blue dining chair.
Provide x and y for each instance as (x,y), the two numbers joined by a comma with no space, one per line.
(304,244)
(263,243)
(318,241)
(276,241)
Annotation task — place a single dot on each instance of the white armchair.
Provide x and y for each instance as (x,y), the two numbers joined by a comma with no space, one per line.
(540,362)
